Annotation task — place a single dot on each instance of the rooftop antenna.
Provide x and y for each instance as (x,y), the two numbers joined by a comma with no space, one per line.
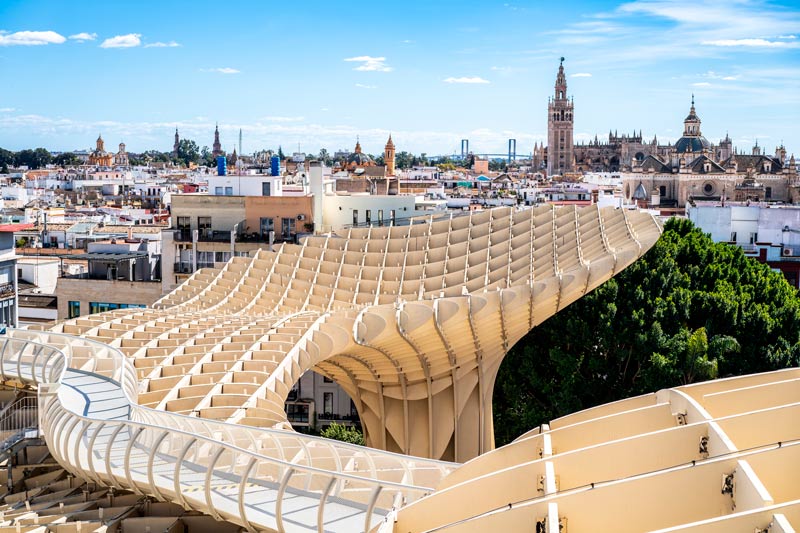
(240,141)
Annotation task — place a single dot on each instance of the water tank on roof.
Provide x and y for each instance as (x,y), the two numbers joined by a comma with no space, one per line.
(275,165)
(222,166)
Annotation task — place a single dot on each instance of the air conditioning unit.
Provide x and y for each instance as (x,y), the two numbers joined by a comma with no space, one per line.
(787,252)
(301,217)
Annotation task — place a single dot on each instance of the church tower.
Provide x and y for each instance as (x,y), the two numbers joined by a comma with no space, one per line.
(560,127)
(216,149)
(177,143)
(388,156)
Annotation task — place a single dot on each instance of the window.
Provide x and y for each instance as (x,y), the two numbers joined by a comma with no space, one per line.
(326,379)
(391,216)
(297,412)
(266,188)
(204,226)
(228,191)
(184,226)
(74,309)
(218,191)
(369,216)
(327,403)
(287,227)
(662,190)
(101,307)
(205,259)
(733,236)
(380,217)
(355,216)
(768,193)
(266,225)
(222,257)
(753,237)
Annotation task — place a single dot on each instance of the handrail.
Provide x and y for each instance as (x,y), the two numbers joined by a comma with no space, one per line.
(229,455)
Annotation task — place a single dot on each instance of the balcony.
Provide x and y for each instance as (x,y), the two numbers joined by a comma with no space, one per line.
(7,290)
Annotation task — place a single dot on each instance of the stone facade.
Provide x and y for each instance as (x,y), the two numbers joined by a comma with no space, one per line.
(85,291)
(560,127)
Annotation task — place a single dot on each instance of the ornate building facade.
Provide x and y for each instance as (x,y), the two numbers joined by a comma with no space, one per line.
(694,169)
(99,157)
(121,157)
(670,174)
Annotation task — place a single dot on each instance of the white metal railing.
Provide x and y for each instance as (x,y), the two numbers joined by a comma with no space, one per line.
(250,476)
(21,419)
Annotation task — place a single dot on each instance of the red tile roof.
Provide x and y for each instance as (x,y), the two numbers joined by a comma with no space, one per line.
(10,228)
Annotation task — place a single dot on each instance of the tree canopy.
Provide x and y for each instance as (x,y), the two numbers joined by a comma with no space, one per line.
(34,159)
(66,159)
(688,310)
(188,152)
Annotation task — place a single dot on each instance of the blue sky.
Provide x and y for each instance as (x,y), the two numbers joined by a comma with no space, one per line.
(432,73)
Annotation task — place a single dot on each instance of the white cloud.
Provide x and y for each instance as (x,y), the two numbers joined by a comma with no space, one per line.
(31,38)
(787,36)
(466,79)
(751,43)
(284,119)
(170,44)
(581,75)
(362,86)
(129,40)
(716,76)
(370,64)
(221,70)
(83,36)
(7,109)
(701,84)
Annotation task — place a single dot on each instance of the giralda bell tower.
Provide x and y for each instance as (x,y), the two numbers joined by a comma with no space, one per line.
(559,128)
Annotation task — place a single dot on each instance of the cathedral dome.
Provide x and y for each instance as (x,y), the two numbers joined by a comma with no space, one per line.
(692,144)
(359,158)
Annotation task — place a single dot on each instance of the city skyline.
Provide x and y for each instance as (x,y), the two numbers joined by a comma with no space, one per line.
(431,74)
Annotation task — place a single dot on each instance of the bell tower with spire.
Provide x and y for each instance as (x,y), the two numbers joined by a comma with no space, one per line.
(216,149)
(388,156)
(176,144)
(560,128)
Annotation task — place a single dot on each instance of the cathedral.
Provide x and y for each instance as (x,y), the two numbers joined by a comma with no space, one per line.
(692,168)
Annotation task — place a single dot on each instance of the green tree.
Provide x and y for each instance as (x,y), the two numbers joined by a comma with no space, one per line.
(280,153)
(497,165)
(422,160)
(66,159)
(188,152)
(7,157)
(403,160)
(343,433)
(34,159)
(324,157)
(688,310)
(154,156)
(206,157)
